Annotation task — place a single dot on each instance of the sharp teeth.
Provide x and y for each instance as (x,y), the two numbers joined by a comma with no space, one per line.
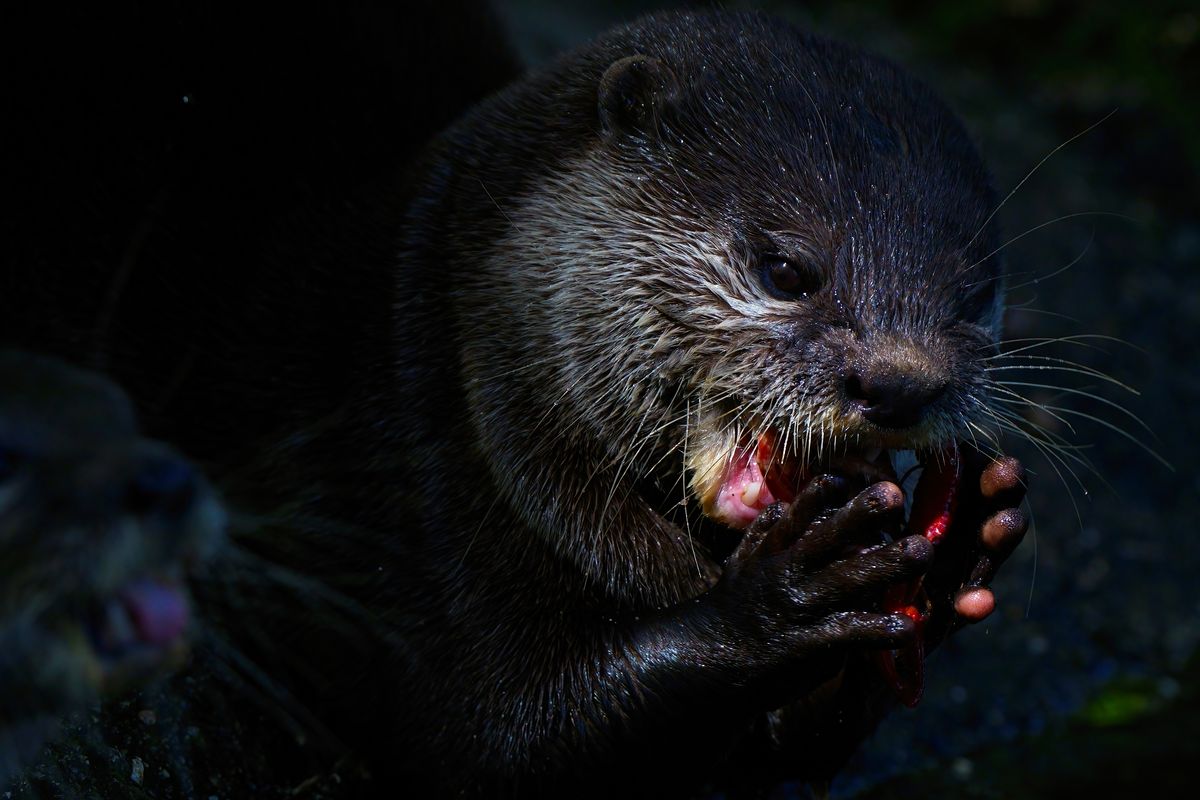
(751,492)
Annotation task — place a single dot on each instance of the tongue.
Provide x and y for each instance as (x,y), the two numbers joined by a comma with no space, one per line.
(934,501)
(159,611)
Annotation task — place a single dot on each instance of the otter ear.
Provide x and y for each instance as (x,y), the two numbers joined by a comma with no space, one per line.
(633,93)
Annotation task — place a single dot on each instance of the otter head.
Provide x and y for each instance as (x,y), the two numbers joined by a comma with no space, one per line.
(760,252)
(98,529)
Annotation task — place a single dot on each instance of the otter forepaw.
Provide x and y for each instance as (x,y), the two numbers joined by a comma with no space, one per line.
(804,582)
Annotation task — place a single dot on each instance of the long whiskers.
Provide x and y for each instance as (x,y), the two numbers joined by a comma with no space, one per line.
(1048,223)
(1033,171)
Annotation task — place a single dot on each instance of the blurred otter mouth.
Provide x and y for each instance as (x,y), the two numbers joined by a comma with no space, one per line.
(761,473)
(139,630)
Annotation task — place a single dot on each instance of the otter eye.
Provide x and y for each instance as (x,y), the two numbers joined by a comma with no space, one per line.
(788,278)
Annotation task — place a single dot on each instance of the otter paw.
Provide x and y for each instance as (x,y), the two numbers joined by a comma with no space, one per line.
(805,581)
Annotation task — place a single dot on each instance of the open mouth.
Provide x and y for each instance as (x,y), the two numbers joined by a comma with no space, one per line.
(139,630)
(763,473)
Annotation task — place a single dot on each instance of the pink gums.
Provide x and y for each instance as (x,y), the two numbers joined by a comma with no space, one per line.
(743,493)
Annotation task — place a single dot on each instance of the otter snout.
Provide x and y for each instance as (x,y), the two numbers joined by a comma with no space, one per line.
(890,396)
(894,382)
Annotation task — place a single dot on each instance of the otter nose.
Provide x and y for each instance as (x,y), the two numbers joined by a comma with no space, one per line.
(161,484)
(892,399)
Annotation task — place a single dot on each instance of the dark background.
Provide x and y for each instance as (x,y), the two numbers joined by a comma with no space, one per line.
(1085,680)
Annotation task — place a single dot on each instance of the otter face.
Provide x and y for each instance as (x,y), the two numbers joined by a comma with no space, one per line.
(98,528)
(781,257)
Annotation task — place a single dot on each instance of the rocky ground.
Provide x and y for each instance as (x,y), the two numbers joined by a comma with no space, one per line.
(1082,678)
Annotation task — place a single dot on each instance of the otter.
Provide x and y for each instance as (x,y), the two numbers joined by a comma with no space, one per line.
(704,263)
(99,529)
(599,414)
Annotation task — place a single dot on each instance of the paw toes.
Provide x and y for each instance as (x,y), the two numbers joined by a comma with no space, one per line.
(974,604)
(1003,481)
(1004,531)
(865,629)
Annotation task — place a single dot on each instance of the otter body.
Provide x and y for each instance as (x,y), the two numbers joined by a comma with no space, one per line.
(584,330)
(612,315)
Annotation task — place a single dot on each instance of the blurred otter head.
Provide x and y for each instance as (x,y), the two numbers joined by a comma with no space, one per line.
(99,528)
